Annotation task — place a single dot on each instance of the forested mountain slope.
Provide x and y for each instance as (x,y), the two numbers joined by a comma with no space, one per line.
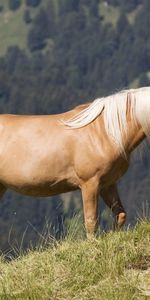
(56,54)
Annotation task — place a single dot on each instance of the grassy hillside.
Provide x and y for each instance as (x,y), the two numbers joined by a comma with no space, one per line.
(111,14)
(13,29)
(114,266)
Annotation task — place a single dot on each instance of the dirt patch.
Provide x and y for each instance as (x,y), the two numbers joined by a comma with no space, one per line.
(141,263)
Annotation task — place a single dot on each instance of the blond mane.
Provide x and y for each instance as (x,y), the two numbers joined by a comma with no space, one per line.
(114,110)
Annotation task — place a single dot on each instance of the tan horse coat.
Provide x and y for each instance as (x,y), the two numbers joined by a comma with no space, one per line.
(42,157)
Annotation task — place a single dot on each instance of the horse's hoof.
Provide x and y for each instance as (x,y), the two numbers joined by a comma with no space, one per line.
(121,219)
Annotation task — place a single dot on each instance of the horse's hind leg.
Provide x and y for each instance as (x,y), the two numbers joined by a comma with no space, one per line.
(90,206)
(111,198)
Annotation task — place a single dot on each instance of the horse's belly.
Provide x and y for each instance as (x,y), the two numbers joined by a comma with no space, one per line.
(39,178)
(44,189)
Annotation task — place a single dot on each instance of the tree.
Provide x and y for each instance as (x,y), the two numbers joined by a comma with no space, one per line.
(14,4)
(33,3)
(66,6)
(122,24)
(39,32)
(94,7)
(1,8)
(27,18)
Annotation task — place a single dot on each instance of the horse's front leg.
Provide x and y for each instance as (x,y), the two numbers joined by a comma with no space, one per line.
(111,198)
(90,192)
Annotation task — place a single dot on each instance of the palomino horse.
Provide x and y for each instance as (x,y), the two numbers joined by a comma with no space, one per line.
(87,148)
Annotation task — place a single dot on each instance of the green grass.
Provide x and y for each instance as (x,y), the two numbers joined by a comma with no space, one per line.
(132,15)
(13,30)
(114,266)
(109,13)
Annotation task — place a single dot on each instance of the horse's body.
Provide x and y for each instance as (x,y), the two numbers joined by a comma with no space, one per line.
(42,156)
